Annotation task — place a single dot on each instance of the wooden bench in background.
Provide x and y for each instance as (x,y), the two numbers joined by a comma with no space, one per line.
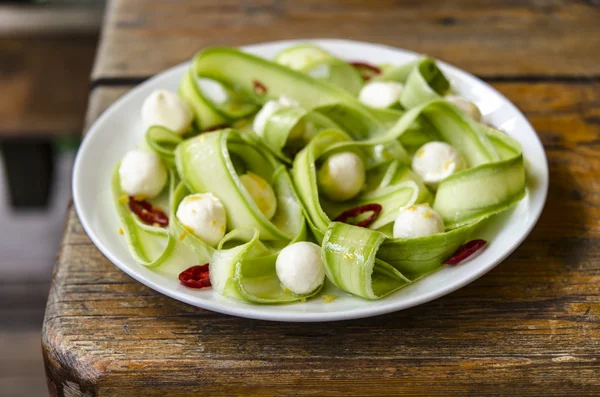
(46,56)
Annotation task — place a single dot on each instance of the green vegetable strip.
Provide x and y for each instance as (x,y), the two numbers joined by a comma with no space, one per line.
(292,126)
(163,142)
(278,128)
(204,110)
(319,211)
(305,178)
(241,70)
(455,200)
(479,192)
(141,238)
(364,262)
(308,58)
(496,175)
(460,131)
(300,57)
(398,73)
(237,69)
(352,120)
(419,256)
(247,272)
(423,81)
(349,258)
(204,164)
(391,198)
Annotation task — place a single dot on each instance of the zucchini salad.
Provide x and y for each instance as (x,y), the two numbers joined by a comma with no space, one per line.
(282,176)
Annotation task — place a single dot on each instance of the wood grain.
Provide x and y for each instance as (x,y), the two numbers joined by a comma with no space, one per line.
(487,38)
(44,84)
(529,327)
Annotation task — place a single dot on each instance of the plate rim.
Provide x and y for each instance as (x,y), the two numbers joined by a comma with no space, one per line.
(246,311)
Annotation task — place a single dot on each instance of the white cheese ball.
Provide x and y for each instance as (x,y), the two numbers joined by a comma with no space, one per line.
(142,174)
(261,192)
(417,221)
(436,161)
(465,105)
(300,268)
(166,109)
(203,214)
(381,94)
(260,120)
(342,176)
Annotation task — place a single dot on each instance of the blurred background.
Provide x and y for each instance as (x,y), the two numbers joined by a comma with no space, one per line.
(46,54)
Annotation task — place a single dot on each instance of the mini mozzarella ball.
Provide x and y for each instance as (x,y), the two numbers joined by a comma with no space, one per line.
(300,268)
(342,176)
(465,105)
(260,120)
(261,192)
(203,214)
(417,221)
(436,161)
(142,174)
(166,109)
(381,94)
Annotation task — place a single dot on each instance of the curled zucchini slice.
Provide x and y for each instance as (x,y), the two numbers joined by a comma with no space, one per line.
(163,142)
(320,211)
(423,81)
(243,268)
(496,174)
(365,261)
(149,245)
(208,162)
(321,65)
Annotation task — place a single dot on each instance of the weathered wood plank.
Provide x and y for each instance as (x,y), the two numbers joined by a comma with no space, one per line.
(44,84)
(529,327)
(57,17)
(488,38)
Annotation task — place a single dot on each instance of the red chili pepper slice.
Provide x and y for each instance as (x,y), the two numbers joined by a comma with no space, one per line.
(366,70)
(195,277)
(147,213)
(259,88)
(465,251)
(375,210)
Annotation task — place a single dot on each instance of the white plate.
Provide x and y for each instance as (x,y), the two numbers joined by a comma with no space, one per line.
(120,129)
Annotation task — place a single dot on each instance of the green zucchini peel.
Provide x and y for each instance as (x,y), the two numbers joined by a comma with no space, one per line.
(205,164)
(143,241)
(296,140)
(246,271)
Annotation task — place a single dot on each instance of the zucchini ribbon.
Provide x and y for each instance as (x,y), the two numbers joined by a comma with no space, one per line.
(366,262)
(494,182)
(149,245)
(243,266)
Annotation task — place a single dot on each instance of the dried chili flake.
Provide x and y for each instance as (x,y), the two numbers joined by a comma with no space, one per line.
(259,88)
(366,70)
(149,214)
(374,209)
(465,251)
(195,277)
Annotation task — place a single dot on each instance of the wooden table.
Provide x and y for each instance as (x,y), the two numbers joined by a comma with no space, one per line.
(529,327)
